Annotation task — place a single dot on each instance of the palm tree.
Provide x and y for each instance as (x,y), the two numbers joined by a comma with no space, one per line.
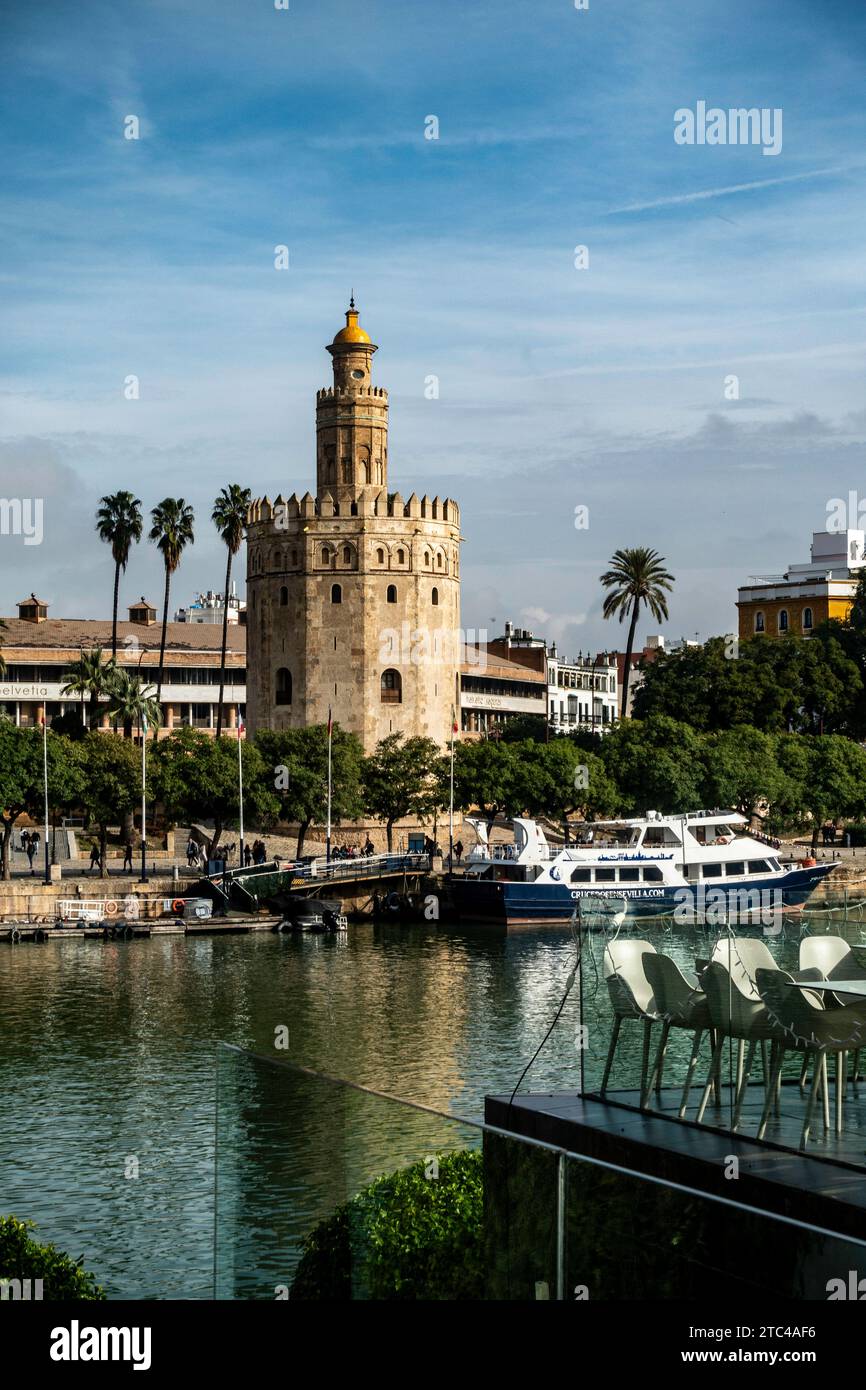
(172,531)
(118,523)
(92,676)
(130,699)
(636,577)
(229,516)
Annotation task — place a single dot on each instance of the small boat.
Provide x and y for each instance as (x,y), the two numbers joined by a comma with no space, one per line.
(312,915)
(702,866)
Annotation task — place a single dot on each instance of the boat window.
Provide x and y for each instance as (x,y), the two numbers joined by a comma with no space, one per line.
(580,876)
(629,875)
(719,834)
(700,833)
(712,870)
(775,865)
(758,866)
(658,836)
(693,872)
(652,874)
(735,868)
(605,875)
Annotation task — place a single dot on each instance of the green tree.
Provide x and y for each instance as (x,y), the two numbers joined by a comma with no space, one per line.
(131,701)
(636,578)
(196,778)
(119,524)
(22,786)
(836,782)
(573,781)
(296,767)
(657,764)
(398,779)
(111,786)
(91,675)
(171,531)
(484,777)
(742,769)
(229,516)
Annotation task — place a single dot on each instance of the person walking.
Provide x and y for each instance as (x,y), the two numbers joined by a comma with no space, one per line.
(25,840)
(248,855)
(458,850)
(31,853)
(127,854)
(94,856)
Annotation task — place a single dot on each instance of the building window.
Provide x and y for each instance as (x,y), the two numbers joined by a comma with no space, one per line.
(336,593)
(380,557)
(284,596)
(435,598)
(324,555)
(347,555)
(400,557)
(284,686)
(783,620)
(392,688)
(759,622)
(392,593)
(426,557)
(439,561)
(807,619)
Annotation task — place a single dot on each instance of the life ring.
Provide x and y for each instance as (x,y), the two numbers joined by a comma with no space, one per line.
(111,908)
(16,935)
(392,902)
(177,905)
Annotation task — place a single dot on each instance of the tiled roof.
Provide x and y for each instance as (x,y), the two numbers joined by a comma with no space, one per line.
(478,661)
(63,633)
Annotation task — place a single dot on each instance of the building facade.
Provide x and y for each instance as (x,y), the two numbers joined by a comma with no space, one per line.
(353,595)
(39,652)
(772,605)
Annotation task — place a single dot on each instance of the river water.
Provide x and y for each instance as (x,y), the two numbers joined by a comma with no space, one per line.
(107,1098)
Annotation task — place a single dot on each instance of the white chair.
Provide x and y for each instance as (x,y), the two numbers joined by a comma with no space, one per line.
(631,997)
(833,958)
(742,957)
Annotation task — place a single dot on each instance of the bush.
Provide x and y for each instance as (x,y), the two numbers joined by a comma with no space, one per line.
(405,1236)
(857,831)
(21,1257)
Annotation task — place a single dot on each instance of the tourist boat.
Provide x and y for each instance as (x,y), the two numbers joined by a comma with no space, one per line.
(700,866)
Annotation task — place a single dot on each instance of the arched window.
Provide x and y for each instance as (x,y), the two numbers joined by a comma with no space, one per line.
(392,593)
(759,622)
(439,561)
(325,557)
(392,688)
(400,557)
(284,686)
(336,593)
(426,557)
(435,597)
(783,620)
(380,557)
(347,555)
(284,596)
(807,619)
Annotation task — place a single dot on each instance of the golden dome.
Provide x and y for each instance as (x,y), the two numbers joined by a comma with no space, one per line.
(353,332)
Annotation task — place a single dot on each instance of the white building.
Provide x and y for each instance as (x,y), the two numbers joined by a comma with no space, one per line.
(582,693)
(208,608)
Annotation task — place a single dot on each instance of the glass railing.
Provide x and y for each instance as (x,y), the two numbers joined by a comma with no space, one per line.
(326,1189)
(706,1023)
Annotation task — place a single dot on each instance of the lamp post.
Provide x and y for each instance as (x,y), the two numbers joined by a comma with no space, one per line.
(144,878)
(45,784)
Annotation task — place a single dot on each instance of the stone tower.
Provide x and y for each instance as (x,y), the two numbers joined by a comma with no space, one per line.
(353,596)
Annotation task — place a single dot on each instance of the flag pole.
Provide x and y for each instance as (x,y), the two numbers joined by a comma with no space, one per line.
(45,781)
(143,878)
(328,832)
(241,793)
(451,799)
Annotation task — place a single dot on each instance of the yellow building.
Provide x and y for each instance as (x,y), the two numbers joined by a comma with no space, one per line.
(795,602)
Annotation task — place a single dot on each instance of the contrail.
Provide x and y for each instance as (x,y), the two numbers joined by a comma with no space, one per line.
(734,188)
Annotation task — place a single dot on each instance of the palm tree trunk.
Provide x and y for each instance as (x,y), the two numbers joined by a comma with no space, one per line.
(627,672)
(114,611)
(219,727)
(162,638)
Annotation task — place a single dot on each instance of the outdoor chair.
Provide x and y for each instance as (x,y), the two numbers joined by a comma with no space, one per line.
(736,1014)
(631,997)
(833,959)
(742,956)
(814,1030)
(680,1003)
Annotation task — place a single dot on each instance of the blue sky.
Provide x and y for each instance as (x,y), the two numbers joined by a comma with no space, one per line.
(559,387)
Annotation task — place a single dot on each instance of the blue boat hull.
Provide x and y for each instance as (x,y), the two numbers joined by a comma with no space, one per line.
(512,903)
